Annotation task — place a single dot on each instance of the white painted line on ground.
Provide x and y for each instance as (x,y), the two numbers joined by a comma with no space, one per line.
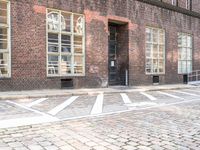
(125,98)
(37,102)
(33,110)
(186,93)
(170,95)
(130,110)
(148,96)
(25,121)
(62,106)
(192,90)
(98,106)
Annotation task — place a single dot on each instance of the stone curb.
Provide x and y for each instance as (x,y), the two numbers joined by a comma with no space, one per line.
(25,96)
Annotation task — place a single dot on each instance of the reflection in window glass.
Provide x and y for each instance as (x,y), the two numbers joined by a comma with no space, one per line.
(65,43)
(155,51)
(184,53)
(4,40)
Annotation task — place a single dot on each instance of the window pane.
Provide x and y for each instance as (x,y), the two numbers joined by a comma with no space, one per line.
(184,67)
(66,22)
(78,24)
(148,35)
(189,54)
(66,65)
(161,49)
(148,50)
(180,54)
(66,43)
(78,44)
(53,45)
(179,40)
(155,65)
(189,41)
(78,64)
(184,40)
(148,66)
(161,37)
(189,66)
(183,54)
(53,64)
(3,12)
(155,35)
(179,67)
(161,66)
(155,51)
(3,38)
(4,64)
(53,21)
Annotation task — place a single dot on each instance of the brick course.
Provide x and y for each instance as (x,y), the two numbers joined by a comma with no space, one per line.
(28,40)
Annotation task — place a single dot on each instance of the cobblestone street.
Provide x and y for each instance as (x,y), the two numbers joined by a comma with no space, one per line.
(166,127)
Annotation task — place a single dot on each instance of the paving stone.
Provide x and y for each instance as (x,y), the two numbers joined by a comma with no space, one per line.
(99,148)
(51,148)
(67,147)
(15,144)
(35,147)
(6,148)
(144,148)
(129,147)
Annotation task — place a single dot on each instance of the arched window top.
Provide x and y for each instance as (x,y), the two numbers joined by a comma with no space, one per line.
(54,21)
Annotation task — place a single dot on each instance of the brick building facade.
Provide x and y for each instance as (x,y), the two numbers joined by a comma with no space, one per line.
(48,44)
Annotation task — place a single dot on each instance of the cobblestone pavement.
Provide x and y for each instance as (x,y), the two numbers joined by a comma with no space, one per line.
(174,127)
(32,111)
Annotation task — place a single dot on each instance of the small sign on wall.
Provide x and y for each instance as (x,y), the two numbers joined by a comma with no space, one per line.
(112,63)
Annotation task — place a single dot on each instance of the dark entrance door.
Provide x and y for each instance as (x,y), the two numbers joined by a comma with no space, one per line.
(112,56)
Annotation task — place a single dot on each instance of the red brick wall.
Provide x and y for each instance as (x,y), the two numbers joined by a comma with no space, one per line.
(29,41)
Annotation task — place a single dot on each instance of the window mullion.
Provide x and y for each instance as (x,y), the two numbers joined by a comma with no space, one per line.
(158,48)
(72,43)
(60,43)
(152,71)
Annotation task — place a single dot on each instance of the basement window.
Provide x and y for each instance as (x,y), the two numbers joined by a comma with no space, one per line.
(155,79)
(66,83)
(5,67)
(66,43)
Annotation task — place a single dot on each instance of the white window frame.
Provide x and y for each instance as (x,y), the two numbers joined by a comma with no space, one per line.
(164,51)
(8,26)
(191,53)
(72,44)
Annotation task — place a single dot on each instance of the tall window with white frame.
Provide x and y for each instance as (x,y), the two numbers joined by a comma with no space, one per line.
(184,53)
(66,43)
(4,39)
(155,51)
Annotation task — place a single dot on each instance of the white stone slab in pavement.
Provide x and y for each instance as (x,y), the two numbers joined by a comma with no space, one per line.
(152,98)
(37,102)
(125,98)
(98,106)
(62,106)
